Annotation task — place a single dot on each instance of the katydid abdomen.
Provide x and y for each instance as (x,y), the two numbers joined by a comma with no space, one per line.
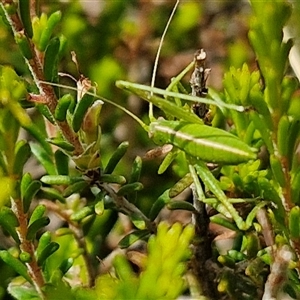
(207,143)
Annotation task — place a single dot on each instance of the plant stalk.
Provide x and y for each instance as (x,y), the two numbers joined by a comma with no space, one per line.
(34,270)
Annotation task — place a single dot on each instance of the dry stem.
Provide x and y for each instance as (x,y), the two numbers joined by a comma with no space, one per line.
(27,246)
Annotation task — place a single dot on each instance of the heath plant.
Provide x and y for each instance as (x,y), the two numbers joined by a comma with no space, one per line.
(66,191)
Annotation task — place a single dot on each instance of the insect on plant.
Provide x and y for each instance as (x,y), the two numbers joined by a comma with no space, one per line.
(185,130)
(200,142)
(188,132)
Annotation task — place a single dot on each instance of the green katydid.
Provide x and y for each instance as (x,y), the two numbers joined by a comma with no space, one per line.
(188,134)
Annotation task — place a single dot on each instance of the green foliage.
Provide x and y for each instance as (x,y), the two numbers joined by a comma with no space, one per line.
(239,159)
(167,251)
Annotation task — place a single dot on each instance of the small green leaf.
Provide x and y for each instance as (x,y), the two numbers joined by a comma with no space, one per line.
(99,206)
(133,237)
(24,45)
(7,215)
(91,124)
(282,134)
(44,241)
(289,86)
(62,107)
(52,21)
(9,222)
(253,245)
(25,182)
(37,213)
(61,162)
(51,60)
(7,189)
(60,179)
(116,157)
(22,154)
(74,188)
(292,140)
(45,111)
(43,157)
(262,108)
(136,169)
(29,194)
(80,110)
(269,192)
(61,143)
(223,222)
(63,231)
(138,221)
(82,213)
(277,170)
(181,185)
(110,178)
(24,7)
(226,260)
(16,264)
(66,264)
(178,204)
(51,194)
(134,177)
(129,188)
(35,226)
(159,204)
(295,187)
(46,252)
(294,222)
(237,255)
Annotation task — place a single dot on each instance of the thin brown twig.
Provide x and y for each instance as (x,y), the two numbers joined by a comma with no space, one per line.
(78,235)
(201,267)
(34,270)
(126,207)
